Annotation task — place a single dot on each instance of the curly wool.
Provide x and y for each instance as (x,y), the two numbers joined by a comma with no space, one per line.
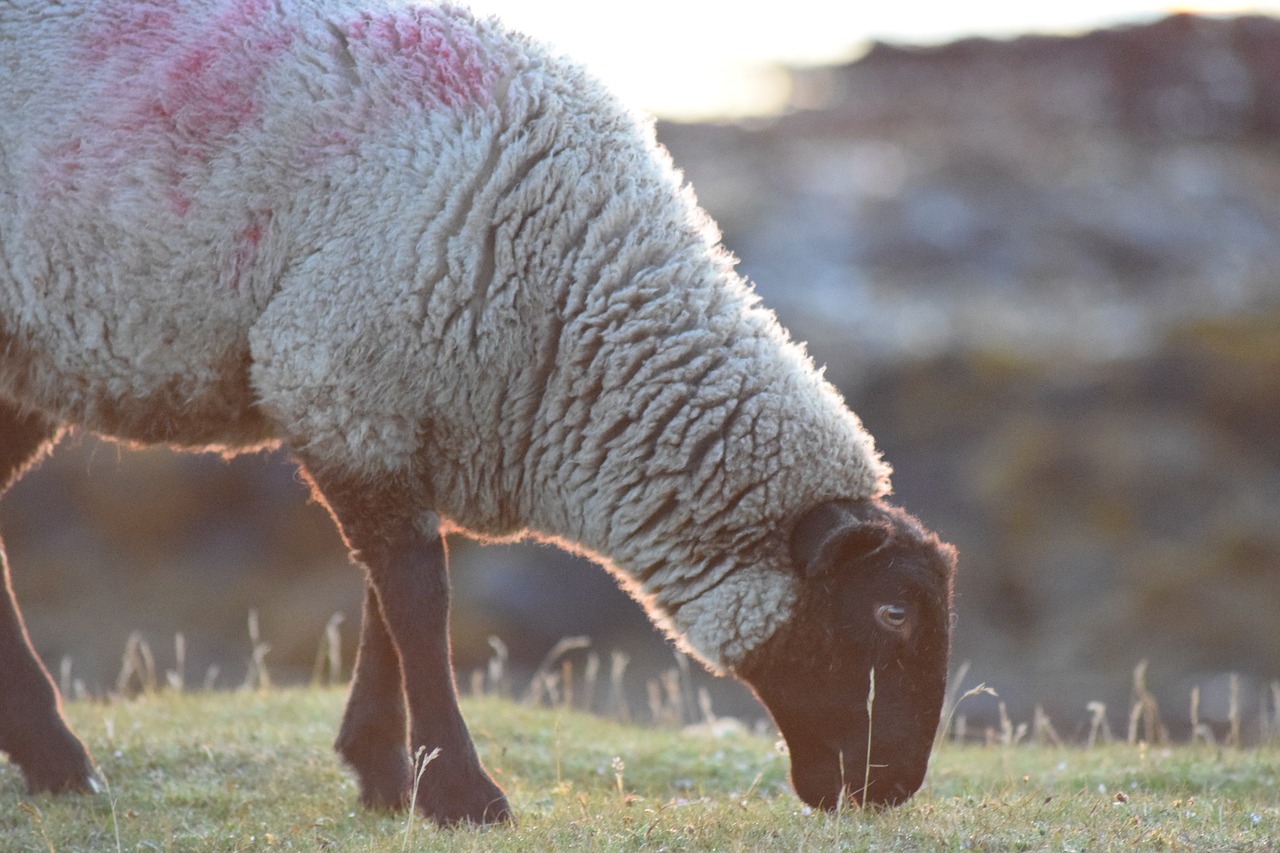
(418,250)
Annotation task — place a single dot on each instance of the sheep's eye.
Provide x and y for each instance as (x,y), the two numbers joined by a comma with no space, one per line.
(892,617)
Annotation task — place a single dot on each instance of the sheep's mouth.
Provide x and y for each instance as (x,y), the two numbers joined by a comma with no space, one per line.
(831,777)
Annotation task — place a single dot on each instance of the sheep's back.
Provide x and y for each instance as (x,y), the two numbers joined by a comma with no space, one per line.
(169,166)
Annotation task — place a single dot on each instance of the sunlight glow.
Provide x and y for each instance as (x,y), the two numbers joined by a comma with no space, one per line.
(704,58)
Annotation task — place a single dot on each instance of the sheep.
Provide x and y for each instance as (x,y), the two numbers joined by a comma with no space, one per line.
(468,292)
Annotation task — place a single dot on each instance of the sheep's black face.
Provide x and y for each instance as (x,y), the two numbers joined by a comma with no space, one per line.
(875,597)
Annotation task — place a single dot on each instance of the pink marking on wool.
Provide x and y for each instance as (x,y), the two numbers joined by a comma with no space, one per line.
(245,250)
(142,25)
(173,92)
(437,57)
(207,91)
(325,145)
(179,202)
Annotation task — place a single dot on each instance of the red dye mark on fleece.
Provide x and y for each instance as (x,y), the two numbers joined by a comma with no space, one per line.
(173,92)
(433,54)
(140,28)
(245,249)
(208,89)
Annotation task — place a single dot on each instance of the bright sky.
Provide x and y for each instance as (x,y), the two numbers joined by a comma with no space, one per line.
(694,58)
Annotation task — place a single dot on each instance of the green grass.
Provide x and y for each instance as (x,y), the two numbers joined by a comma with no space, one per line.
(254,771)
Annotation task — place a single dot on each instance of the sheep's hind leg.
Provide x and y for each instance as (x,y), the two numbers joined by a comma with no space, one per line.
(404,554)
(32,729)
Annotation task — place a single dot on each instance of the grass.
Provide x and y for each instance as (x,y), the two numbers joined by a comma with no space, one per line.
(253,770)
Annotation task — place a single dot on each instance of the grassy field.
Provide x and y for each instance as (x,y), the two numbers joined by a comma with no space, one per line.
(254,771)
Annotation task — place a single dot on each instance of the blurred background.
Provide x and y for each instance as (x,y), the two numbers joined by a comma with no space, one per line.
(1039,255)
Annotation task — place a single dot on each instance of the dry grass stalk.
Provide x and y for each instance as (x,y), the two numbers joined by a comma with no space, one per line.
(688,701)
(497,669)
(544,684)
(136,664)
(177,677)
(1145,710)
(589,679)
(704,707)
(866,772)
(653,692)
(38,819)
(618,767)
(421,759)
(1098,725)
(617,696)
(1042,730)
(1275,707)
(949,702)
(257,677)
(327,668)
(64,675)
(1010,735)
(1233,710)
(1199,730)
(673,696)
(542,675)
(566,678)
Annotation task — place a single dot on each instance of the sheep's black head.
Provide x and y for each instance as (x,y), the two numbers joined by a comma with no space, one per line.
(875,594)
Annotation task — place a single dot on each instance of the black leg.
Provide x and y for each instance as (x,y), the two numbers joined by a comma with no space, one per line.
(32,729)
(373,734)
(404,554)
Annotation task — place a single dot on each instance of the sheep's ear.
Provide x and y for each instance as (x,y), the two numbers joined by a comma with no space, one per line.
(832,535)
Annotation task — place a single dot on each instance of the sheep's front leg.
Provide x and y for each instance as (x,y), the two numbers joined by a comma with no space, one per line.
(372,737)
(32,729)
(409,588)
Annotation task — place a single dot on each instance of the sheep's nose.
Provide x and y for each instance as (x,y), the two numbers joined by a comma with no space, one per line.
(894,795)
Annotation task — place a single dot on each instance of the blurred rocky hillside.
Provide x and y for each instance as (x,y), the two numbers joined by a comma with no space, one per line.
(1046,273)
(1050,196)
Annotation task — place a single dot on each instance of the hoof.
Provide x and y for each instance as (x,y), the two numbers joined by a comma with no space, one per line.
(385,785)
(56,763)
(480,804)
(80,780)
(385,792)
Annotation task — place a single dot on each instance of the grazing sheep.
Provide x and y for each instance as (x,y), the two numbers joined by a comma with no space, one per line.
(467,291)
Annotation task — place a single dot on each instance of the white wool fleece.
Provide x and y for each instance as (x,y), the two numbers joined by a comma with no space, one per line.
(426,255)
